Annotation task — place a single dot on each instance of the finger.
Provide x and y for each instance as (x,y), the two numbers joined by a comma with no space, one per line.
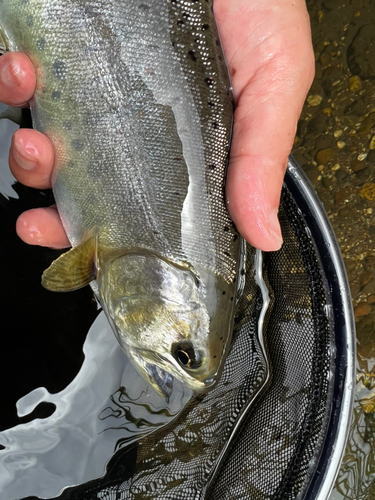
(42,226)
(31,158)
(263,135)
(17,79)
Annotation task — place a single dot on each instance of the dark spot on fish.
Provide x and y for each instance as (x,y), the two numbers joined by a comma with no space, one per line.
(70,164)
(235,237)
(185,15)
(226,228)
(233,71)
(221,338)
(227,254)
(176,193)
(208,81)
(56,94)
(192,55)
(155,232)
(41,44)
(77,144)
(211,104)
(212,167)
(217,42)
(215,125)
(30,21)
(205,27)
(224,292)
(215,356)
(144,7)
(59,69)
(180,22)
(231,299)
(67,125)
(242,272)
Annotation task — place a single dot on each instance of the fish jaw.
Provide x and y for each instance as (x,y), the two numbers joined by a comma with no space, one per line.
(159,315)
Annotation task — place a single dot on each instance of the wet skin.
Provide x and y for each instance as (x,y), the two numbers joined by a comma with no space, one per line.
(267,44)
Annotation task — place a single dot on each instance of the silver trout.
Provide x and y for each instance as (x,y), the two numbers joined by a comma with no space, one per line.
(135,97)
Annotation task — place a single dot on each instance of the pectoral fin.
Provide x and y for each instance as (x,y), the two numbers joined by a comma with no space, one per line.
(73,269)
(3,43)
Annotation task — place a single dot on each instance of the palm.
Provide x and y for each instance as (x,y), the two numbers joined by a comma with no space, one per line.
(268,50)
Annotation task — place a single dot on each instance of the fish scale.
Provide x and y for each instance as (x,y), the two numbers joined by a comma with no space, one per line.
(135,97)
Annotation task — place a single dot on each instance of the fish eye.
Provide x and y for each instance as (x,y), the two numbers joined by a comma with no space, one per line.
(186,355)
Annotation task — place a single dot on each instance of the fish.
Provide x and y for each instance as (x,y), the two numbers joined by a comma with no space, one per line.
(136,99)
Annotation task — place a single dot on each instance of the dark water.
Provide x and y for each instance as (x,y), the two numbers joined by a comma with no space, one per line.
(335,144)
(43,400)
(64,408)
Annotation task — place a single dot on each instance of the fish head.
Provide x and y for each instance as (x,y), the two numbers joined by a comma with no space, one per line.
(159,315)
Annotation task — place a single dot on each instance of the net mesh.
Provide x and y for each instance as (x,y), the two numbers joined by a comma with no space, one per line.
(257,435)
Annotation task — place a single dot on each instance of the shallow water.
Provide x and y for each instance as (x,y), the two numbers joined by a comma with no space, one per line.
(335,144)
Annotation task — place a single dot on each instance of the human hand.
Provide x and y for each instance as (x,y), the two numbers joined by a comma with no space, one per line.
(31,155)
(268,50)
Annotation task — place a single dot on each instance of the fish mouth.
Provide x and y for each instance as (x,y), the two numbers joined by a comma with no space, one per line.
(161,371)
(163,380)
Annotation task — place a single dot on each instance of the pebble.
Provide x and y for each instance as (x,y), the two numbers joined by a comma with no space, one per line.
(357,165)
(371,156)
(354,83)
(365,278)
(324,156)
(314,100)
(366,125)
(372,143)
(362,309)
(342,195)
(340,144)
(371,299)
(337,133)
(361,156)
(369,288)
(368,191)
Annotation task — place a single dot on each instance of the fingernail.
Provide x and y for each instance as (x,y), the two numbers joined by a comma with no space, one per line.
(274,227)
(26,162)
(11,74)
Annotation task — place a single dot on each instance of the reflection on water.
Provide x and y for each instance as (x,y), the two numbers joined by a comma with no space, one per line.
(106,406)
